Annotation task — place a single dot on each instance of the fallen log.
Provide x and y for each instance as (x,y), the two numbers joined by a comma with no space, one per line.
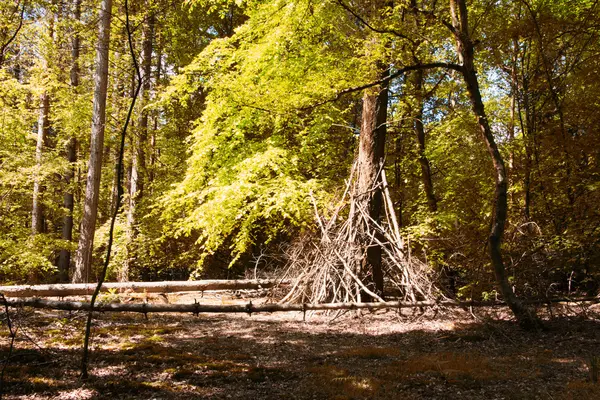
(197,308)
(82,289)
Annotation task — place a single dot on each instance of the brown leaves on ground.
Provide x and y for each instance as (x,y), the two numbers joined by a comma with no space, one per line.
(382,355)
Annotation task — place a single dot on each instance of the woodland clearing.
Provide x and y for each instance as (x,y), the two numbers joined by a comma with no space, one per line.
(415,354)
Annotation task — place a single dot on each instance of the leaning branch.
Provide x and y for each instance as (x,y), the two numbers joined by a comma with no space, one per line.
(197,308)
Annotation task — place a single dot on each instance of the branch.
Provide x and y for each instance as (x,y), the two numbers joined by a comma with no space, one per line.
(13,37)
(83,289)
(12,331)
(388,78)
(196,308)
(364,22)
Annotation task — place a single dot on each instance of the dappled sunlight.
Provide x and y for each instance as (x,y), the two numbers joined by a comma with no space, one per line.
(376,356)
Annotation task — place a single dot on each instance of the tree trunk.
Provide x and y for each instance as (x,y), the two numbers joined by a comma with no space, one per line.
(37,213)
(64,258)
(153,155)
(465,50)
(37,209)
(83,258)
(138,165)
(419,129)
(514,90)
(371,155)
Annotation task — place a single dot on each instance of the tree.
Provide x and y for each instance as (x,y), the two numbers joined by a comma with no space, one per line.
(370,159)
(7,37)
(64,260)
(466,54)
(83,258)
(37,213)
(138,164)
(416,79)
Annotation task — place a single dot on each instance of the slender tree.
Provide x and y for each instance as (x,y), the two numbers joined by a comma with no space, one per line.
(465,49)
(416,81)
(83,258)
(43,126)
(64,259)
(138,165)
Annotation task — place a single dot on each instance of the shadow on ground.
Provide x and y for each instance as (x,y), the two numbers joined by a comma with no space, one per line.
(373,357)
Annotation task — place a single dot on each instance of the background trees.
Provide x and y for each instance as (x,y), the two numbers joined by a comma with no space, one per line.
(253,109)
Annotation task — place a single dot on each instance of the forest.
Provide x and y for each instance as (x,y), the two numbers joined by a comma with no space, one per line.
(422,153)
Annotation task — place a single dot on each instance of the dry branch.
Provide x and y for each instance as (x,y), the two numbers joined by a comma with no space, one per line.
(197,308)
(82,289)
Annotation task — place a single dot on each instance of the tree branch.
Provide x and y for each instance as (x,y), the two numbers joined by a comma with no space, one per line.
(364,22)
(14,36)
(388,78)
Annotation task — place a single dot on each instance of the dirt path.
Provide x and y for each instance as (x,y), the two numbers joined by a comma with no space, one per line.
(380,355)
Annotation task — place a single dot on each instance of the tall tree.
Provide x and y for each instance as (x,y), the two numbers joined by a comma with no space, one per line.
(64,258)
(43,127)
(465,49)
(83,258)
(371,154)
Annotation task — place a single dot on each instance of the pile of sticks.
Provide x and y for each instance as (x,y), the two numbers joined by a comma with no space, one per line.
(328,269)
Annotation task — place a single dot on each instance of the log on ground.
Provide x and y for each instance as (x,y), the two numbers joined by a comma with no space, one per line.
(82,289)
(197,308)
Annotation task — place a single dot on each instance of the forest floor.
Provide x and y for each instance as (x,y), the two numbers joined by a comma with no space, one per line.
(416,354)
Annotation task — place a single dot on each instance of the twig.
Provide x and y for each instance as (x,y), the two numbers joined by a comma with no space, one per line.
(13,334)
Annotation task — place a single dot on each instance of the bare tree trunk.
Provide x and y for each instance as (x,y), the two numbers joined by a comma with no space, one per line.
(514,90)
(419,128)
(64,258)
(528,128)
(371,155)
(138,166)
(153,154)
(83,258)
(465,50)
(37,211)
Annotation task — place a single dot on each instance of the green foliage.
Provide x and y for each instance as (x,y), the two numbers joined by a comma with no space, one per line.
(255,156)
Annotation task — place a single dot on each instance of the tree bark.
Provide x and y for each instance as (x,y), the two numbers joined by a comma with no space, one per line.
(37,213)
(83,258)
(465,49)
(64,258)
(153,155)
(371,155)
(37,209)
